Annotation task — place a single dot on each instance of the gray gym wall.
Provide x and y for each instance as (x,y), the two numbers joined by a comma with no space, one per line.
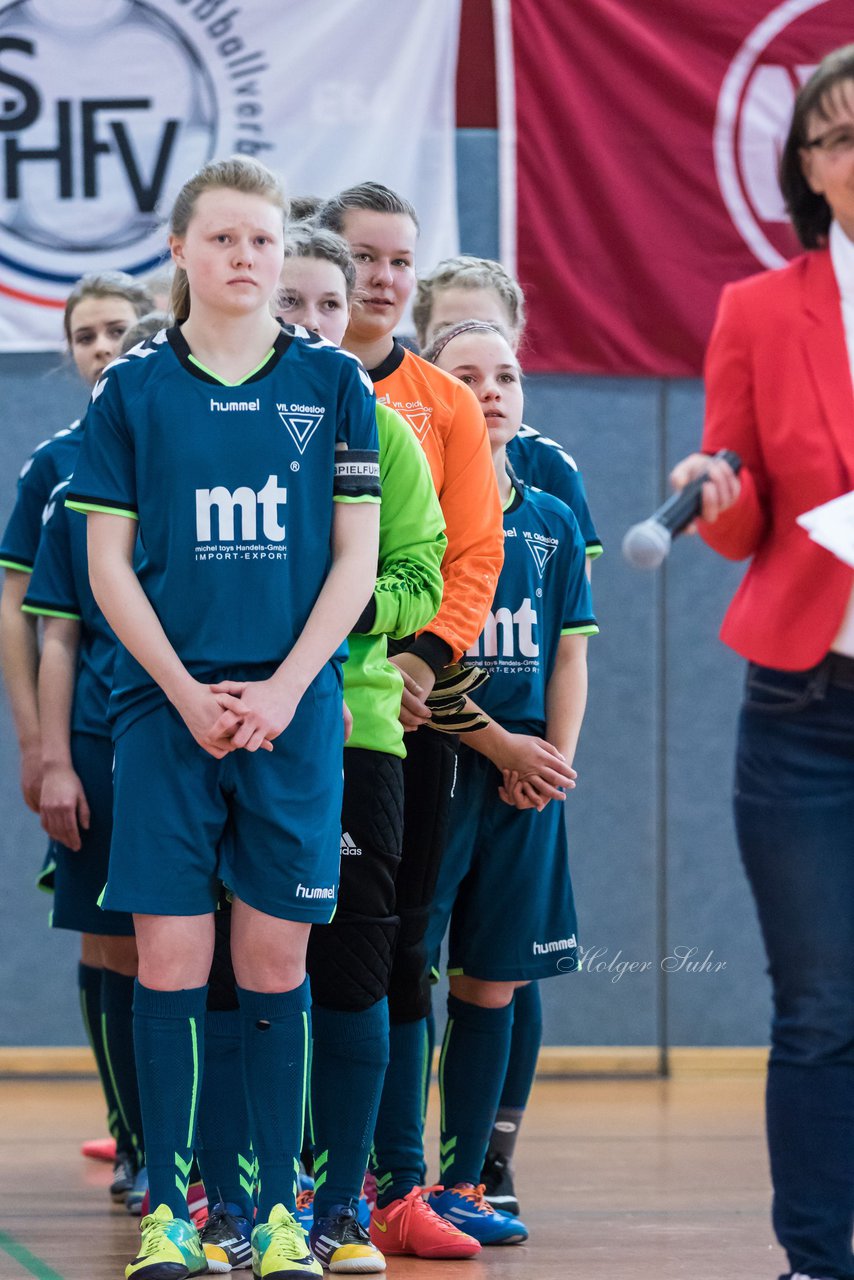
(655,868)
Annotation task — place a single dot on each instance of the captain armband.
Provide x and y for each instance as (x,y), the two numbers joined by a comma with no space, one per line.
(357,475)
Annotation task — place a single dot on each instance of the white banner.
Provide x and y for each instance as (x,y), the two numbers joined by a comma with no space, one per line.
(107,106)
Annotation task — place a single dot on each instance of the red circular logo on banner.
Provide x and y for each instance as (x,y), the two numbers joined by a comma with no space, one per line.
(754,110)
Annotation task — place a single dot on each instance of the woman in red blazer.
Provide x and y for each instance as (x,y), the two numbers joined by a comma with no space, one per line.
(779,392)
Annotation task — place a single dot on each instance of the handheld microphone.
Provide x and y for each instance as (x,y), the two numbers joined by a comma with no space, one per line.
(646,545)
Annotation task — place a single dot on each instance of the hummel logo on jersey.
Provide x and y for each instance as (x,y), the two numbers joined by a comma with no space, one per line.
(349,846)
(559,944)
(269,499)
(301,420)
(50,505)
(541,553)
(419,419)
(235,406)
(517,634)
(314,891)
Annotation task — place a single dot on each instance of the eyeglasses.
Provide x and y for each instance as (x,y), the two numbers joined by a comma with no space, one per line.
(835,142)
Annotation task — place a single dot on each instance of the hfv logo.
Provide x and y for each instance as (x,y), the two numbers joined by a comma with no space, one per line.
(227,502)
(542,554)
(516,631)
(85,130)
(301,426)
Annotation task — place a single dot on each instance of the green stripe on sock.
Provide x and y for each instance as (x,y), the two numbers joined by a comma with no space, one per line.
(305,1077)
(425,1076)
(116,1091)
(448,1031)
(84,1014)
(194,1101)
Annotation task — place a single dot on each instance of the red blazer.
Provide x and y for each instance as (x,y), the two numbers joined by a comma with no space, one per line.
(778,392)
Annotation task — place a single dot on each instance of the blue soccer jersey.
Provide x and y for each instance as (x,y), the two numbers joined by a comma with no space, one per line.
(542,594)
(59,588)
(233,488)
(545,464)
(49,463)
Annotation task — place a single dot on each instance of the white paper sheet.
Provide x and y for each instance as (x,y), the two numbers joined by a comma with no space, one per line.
(832,526)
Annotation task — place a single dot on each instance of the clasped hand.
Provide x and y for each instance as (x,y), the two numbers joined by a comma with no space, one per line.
(533,772)
(237,714)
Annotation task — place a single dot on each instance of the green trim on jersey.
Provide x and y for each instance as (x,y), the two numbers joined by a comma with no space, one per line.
(408,590)
(365,497)
(594,550)
(43,612)
(13,564)
(102,510)
(590,629)
(240,381)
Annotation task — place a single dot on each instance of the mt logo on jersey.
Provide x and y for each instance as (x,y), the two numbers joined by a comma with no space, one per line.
(301,420)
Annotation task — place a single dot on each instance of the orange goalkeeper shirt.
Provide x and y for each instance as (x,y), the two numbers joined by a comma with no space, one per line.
(449,425)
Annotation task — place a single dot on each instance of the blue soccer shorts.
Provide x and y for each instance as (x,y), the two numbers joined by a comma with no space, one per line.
(265,824)
(504,885)
(79,877)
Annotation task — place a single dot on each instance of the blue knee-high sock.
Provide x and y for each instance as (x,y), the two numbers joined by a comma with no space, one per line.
(223,1147)
(521,1069)
(89,981)
(169,1037)
(276,1041)
(398,1156)
(471,1072)
(349,1058)
(117,1036)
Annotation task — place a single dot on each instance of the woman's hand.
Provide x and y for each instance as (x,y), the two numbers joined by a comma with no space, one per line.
(720,490)
(529,756)
(261,709)
(209,721)
(532,792)
(418,681)
(64,808)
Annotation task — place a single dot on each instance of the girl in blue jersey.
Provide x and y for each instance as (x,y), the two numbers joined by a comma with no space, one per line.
(470,288)
(505,884)
(98,312)
(349,960)
(245,461)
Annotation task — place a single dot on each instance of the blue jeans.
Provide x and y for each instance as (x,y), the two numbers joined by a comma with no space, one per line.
(794,811)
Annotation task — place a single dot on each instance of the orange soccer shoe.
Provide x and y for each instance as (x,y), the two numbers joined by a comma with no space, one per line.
(410,1226)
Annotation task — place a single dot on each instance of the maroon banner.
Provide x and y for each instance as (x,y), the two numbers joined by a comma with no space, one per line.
(648,135)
